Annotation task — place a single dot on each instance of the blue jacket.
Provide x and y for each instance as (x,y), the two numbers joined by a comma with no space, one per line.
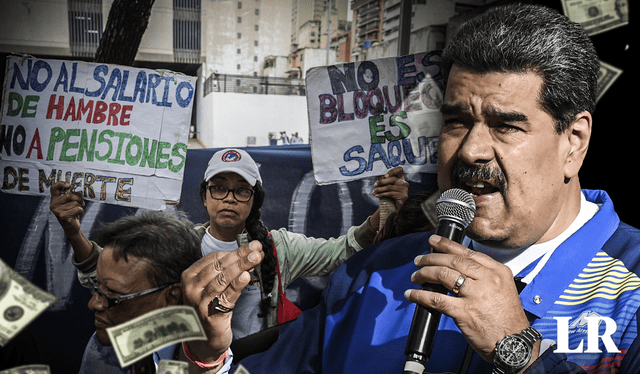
(362,322)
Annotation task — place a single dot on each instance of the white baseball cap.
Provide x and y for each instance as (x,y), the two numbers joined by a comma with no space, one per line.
(235,161)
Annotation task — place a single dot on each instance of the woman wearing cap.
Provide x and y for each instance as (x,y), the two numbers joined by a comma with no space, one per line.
(232,193)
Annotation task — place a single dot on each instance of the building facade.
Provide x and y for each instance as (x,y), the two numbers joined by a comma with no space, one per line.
(234,46)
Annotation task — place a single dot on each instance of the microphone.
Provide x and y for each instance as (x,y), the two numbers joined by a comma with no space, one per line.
(455,210)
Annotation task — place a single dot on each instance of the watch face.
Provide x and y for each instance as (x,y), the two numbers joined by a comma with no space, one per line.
(513,351)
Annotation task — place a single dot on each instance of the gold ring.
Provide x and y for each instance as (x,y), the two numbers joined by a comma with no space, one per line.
(459,282)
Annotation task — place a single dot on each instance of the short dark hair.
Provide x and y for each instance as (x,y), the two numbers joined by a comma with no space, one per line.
(521,38)
(168,242)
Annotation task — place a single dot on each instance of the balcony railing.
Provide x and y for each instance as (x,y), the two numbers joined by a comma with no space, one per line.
(254,85)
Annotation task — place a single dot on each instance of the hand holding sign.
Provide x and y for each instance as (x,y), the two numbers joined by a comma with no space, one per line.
(392,190)
(67,207)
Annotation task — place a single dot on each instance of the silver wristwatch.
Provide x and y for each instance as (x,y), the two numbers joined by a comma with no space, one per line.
(513,352)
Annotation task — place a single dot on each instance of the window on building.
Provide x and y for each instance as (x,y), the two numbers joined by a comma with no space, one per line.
(85,26)
(186,31)
(239,51)
(239,67)
(255,58)
(239,35)
(255,43)
(257,12)
(255,27)
(239,19)
(239,4)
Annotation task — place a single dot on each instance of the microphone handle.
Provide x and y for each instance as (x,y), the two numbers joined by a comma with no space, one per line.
(426,320)
(450,229)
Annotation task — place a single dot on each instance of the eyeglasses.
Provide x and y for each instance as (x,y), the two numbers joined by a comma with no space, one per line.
(113,301)
(221,192)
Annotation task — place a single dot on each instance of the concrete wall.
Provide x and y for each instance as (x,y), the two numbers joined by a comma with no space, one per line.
(34,27)
(220,30)
(227,119)
(157,41)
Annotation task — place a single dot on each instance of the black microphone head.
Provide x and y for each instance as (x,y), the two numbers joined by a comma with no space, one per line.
(456,204)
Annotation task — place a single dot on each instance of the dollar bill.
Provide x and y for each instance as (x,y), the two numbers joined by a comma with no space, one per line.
(606,76)
(597,16)
(172,367)
(143,335)
(28,369)
(20,302)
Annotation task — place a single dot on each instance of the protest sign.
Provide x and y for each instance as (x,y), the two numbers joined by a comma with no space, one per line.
(117,134)
(370,116)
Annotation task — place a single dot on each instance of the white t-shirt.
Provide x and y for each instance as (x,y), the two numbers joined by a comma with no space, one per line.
(245,320)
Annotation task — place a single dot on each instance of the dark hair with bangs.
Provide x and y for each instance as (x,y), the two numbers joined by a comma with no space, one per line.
(520,38)
(168,243)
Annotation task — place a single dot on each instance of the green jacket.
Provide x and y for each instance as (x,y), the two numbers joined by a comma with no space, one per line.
(302,256)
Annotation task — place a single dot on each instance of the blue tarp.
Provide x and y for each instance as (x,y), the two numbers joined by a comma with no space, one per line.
(34,245)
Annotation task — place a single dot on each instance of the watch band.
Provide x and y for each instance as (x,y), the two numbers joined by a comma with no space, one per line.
(529,336)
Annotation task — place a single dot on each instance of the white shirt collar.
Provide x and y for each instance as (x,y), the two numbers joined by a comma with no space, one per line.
(519,259)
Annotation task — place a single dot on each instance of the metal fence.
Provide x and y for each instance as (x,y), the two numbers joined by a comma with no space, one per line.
(85,27)
(186,31)
(254,85)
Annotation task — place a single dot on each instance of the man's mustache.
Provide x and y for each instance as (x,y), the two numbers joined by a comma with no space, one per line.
(464,172)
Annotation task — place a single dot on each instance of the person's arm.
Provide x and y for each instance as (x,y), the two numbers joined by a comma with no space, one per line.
(392,186)
(68,207)
(302,256)
(221,276)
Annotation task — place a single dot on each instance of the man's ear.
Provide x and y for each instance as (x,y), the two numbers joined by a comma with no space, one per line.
(578,135)
(173,294)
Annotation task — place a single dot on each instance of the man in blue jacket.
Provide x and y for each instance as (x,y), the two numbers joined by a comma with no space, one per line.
(520,93)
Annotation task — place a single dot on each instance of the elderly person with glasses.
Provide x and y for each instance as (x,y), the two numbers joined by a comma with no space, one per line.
(138,271)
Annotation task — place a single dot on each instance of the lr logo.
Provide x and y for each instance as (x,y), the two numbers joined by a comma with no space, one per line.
(589,322)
